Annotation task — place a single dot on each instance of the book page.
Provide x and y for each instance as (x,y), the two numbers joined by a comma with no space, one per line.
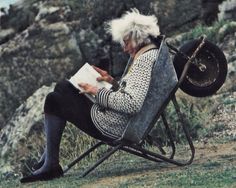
(87,74)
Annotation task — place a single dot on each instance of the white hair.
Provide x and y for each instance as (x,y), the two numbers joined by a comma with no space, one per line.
(134,25)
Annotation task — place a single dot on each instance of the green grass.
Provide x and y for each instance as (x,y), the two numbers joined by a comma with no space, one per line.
(201,178)
(215,33)
(124,170)
(192,176)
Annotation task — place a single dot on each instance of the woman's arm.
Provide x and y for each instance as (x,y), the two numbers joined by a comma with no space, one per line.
(130,97)
(106,77)
(115,85)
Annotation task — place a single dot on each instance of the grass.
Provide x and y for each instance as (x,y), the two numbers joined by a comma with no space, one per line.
(215,33)
(124,170)
(210,32)
(198,176)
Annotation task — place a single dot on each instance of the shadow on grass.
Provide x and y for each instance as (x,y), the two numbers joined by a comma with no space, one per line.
(114,168)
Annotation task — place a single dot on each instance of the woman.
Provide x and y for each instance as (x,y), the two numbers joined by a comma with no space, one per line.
(107,117)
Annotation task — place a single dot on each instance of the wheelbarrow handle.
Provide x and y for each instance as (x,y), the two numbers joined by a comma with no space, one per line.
(202,39)
(190,60)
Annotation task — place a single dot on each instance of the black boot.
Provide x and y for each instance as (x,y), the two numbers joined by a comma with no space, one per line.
(44,176)
(50,169)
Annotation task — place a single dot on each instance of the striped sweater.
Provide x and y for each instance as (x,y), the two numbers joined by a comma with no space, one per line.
(113,109)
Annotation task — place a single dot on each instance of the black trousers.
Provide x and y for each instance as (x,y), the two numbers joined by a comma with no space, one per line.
(66,102)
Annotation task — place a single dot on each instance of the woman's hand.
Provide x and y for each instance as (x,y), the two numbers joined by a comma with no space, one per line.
(88,88)
(104,75)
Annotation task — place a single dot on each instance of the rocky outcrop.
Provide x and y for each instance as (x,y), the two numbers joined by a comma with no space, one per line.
(227,10)
(6,34)
(57,37)
(24,125)
(43,53)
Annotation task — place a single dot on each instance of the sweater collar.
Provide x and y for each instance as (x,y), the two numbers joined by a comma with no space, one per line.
(144,49)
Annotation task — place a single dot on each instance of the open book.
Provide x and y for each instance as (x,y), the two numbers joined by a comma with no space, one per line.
(87,74)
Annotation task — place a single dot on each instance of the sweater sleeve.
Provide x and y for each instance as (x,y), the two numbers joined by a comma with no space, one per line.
(132,92)
(115,85)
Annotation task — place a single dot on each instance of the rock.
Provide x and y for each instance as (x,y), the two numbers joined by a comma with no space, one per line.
(26,122)
(209,11)
(27,115)
(228,28)
(18,17)
(6,34)
(43,53)
(227,10)
(180,15)
(43,11)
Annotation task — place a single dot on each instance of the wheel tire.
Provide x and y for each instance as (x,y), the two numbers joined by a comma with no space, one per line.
(202,83)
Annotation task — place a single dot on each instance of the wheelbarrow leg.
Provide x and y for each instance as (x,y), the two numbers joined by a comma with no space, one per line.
(69,166)
(169,135)
(108,154)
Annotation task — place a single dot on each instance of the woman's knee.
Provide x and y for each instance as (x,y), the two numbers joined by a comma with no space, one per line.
(62,86)
(51,104)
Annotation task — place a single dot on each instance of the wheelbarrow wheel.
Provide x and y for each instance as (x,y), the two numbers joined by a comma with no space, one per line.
(208,71)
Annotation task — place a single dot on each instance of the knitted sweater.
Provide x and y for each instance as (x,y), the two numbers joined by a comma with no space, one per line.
(113,109)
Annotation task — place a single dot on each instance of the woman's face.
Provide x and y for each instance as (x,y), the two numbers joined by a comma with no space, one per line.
(128,47)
